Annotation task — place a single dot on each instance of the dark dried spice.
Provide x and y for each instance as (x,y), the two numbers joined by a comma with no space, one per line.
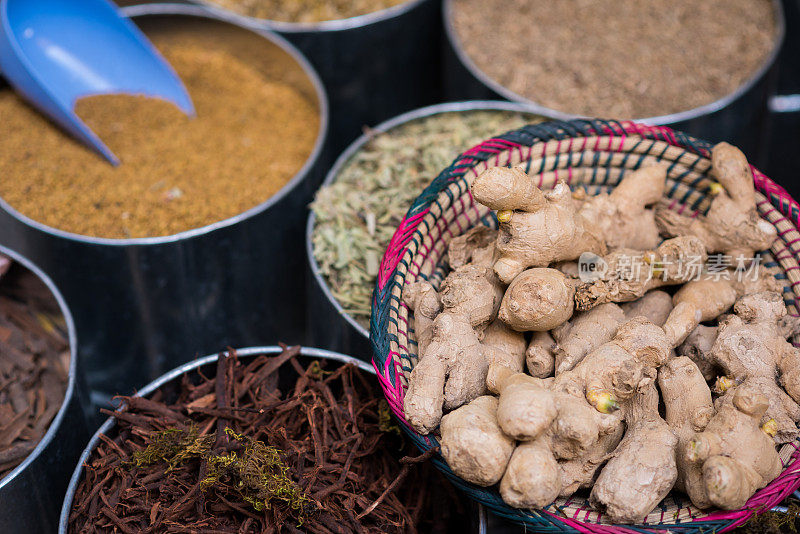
(34,363)
(235,453)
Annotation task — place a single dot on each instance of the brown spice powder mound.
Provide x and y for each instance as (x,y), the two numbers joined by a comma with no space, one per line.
(250,137)
(306,10)
(620,59)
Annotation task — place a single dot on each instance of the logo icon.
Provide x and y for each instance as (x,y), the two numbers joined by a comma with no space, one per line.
(591,267)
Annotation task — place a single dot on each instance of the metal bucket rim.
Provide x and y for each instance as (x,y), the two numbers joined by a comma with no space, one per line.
(179,371)
(57,421)
(324,26)
(355,146)
(681,116)
(293,183)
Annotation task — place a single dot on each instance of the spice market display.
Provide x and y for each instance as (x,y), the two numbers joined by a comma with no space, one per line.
(575,290)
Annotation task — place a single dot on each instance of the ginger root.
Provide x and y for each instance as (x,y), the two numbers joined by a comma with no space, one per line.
(732,225)
(451,370)
(705,299)
(556,428)
(613,372)
(642,470)
(475,246)
(735,455)
(553,231)
(537,229)
(540,357)
(751,347)
(689,408)
(421,297)
(626,280)
(695,302)
(654,305)
(573,422)
(622,217)
(697,348)
(472,443)
(538,299)
(504,346)
(584,333)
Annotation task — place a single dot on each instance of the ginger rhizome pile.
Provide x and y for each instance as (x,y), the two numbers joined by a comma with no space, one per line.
(545,378)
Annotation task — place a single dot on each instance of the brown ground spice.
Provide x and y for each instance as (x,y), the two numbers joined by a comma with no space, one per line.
(306,10)
(250,137)
(617,58)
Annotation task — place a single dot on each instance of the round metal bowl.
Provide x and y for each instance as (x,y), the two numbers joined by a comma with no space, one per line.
(374,66)
(108,426)
(342,332)
(145,305)
(738,117)
(29,495)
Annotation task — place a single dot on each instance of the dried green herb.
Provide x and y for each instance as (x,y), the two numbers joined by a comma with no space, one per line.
(359,212)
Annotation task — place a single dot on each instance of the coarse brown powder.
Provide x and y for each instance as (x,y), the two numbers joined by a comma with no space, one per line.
(252,134)
(621,59)
(306,10)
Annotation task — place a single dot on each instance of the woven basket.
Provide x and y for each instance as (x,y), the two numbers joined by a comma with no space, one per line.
(595,154)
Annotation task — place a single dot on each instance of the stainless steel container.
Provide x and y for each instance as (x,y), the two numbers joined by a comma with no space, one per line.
(108,426)
(336,329)
(143,306)
(739,118)
(373,66)
(29,495)
(782,163)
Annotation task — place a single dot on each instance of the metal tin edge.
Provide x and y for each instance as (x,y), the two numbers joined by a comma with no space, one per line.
(466,61)
(293,183)
(66,507)
(58,420)
(355,146)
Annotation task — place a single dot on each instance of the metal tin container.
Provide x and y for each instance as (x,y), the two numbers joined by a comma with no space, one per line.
(739,118)
(29,495)
(109,424)
(373,66)
(784,129)
(143,306)
(342,332)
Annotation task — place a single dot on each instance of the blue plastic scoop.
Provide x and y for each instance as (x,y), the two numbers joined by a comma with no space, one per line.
(54,52)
